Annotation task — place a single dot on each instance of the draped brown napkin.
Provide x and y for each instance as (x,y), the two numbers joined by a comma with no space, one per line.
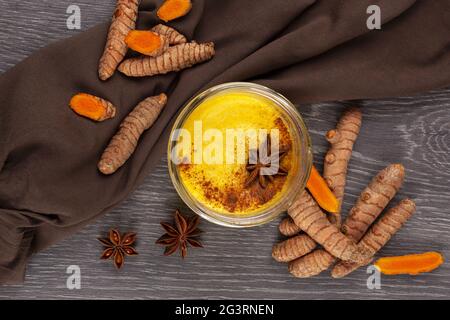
(309,50)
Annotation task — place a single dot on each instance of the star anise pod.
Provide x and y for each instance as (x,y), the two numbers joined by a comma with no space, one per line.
(117,247)
(254,169)
(180,235)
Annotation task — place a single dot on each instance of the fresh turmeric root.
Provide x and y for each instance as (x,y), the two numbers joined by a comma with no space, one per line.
(412,264)
(92,107)
(292,248)
(124,20)
(378,235)
(172,35)
(337,158)
(342,140)
(288,228)
(174,9)
(176,58)
(299,245)
(317,226)
(147,42)
(373,200)
(321,192)
(124,143)
(311,264)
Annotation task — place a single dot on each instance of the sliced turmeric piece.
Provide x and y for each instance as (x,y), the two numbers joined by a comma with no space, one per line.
(321,192)
(173,36)
(125,141)
(175,58)
(288,228)
(378,235)
(124,20)
(412,264)
(174,9)
(147,42)
(92,107)
(293,248)
(317,226)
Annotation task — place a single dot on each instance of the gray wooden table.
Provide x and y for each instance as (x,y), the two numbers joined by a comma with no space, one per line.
(237,263)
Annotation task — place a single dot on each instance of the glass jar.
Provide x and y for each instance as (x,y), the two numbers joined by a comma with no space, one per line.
(301,159)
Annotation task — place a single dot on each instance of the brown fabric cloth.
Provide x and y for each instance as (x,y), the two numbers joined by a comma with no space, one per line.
(309,50)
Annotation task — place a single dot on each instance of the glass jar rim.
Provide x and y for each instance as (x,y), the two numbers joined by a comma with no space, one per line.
(270,213)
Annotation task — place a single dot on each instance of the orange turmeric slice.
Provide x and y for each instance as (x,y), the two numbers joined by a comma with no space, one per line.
(174,9)
(321,192)
(146,42)
(410,264)
(92,107)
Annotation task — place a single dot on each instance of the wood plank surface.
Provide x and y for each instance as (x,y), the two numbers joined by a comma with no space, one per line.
(237,263)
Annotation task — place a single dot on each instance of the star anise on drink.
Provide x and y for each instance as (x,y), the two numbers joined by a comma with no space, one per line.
(180,235)
(118,246)
(255,166)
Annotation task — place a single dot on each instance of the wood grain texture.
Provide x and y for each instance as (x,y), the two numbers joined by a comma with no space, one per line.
(237,263)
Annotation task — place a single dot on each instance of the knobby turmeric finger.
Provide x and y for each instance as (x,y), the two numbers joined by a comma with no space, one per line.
(412,264)
(300,245)
(92,107)
(378,235)
(317,226)
(373,200)
(336,162)
(124,20)
(321,192)
(368,207)
(335,166)
(124,142)
(147,42)
(292,248)
(310,264)
(175,58)
(174,9)
(288,228)
(172,35)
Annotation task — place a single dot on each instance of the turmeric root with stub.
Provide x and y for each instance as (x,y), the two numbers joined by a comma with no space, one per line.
(148,43)
(173,36)
(378,235)
(321,192)
(311,264)
(317,226)
(175,58)
(124,20)
(336,162)
(342,140)
(124,142)
(412,264)
(288,228)
(370,204)
(92,107)
(173,9)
